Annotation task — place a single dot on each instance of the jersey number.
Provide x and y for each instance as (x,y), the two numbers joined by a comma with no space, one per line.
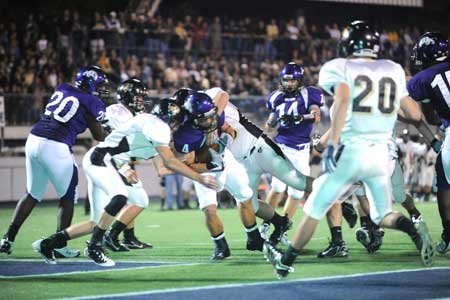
(439,82)
(385,100)
(292,109)
(57,105)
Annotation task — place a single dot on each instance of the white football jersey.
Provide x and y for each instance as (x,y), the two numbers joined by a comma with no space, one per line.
(245,139)
(376,87)
(137,138)
(246,132)
(117,114)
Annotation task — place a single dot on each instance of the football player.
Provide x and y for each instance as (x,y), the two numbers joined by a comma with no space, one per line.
(258,154)
(131,95)
(142,137)
(293,109)
(368,93)
(431,87)
(191,139)
(48,150)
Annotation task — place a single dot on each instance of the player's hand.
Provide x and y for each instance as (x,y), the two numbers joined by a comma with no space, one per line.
(216,164)
(316,143)
(328,159)
(131,176)
(210,182)
(436,145)
(223,141)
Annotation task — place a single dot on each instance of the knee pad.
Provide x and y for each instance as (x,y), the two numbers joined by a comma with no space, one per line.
(116,204)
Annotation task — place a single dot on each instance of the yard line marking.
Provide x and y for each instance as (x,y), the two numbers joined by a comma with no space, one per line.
(210,287)
(160,265)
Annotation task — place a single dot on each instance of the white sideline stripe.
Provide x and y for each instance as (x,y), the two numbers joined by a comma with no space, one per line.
(210,287)
(106,269)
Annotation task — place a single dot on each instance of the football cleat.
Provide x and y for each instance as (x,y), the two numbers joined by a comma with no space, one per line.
(6,246)
(40,246)
(443,246)
(97,254)
(424,243)
(66,252)
(279,230)
(376,237)
(264,230)
(114,244)
(363,236)
(334,250)
(349,213)
(274,256)
(220,254)
(418,218)
(255,245)
(133,243)
(285,240)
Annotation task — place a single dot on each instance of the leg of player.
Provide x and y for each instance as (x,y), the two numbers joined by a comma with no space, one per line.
(270,216)
(248,219)
(23,209)
(207,199)
(411,208)
(216,230)
(46,246)
(131,240)
(381,214)
(65,215)
(125,217)
(370,235)
(336,247)
(327,188)
(443,198)
(273,198)
(417,231)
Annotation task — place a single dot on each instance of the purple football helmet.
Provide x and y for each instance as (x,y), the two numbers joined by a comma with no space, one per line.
(291,77)
(202,113)
(431,48)
(92,80)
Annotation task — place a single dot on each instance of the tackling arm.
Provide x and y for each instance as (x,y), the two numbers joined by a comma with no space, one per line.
(96,128)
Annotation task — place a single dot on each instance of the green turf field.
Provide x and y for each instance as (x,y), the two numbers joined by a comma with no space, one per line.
(180,236)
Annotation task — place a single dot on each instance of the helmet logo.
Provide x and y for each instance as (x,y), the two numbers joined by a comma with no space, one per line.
(91,73)
(426,41)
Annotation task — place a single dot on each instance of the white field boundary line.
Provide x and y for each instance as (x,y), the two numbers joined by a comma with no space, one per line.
(106,269)
(211,287)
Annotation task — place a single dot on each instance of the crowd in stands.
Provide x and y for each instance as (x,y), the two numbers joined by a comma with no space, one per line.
(243,56)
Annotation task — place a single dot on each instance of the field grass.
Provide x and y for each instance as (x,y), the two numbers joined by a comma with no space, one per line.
(180,236)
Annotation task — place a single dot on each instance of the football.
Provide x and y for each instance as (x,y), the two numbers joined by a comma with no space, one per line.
(202,155)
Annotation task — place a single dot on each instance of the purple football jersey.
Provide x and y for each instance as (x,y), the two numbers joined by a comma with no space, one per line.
(278,102)
(433,84)
(187,139)
(65,114)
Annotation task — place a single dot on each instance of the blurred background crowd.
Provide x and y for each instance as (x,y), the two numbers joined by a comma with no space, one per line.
(232,45)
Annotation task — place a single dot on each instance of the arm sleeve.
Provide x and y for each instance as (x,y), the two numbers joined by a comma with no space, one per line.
(97,108)
(212,93)
(416,88)
(331,74)
(158,134)
(315,96)
(271,100)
